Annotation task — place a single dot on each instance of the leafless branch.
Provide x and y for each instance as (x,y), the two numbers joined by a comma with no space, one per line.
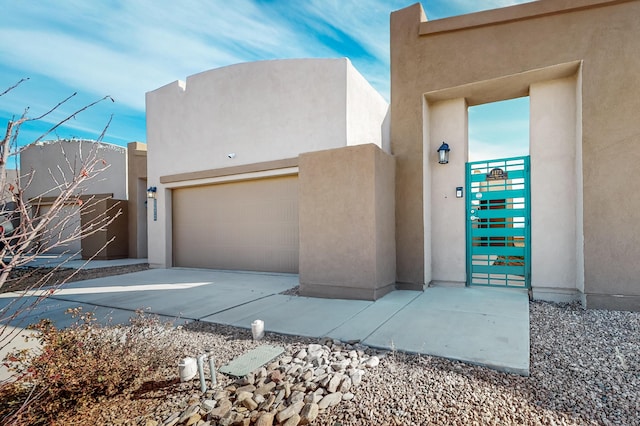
(84,108)
(54,108)
(104,130)
(41,230)
(10,88)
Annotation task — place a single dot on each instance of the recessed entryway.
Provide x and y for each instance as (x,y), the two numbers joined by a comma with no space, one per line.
(498,207)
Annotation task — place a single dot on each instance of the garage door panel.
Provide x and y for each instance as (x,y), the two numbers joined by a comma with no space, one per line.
(250,225)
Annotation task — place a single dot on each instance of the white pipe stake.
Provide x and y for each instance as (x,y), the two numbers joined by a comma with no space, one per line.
(203,384)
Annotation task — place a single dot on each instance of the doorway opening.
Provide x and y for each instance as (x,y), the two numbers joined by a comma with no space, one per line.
(498,201)
(499,129)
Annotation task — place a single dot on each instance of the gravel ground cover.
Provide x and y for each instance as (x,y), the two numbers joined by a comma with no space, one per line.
(585,370)
(26,278)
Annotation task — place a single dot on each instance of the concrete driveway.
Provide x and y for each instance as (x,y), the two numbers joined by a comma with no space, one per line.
(484,326)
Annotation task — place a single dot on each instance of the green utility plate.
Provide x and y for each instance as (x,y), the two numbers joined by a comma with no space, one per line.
(252,360)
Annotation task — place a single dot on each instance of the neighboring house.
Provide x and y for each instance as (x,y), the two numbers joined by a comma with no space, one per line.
(44,165)
(288,166)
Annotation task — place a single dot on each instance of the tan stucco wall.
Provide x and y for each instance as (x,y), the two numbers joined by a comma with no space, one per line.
(262,112)
(347,244)
(44,160)
(555,190)
(39,162)
(137,205)
(447,122)
(64,227)
(513,42)
(366,113)
(112,242)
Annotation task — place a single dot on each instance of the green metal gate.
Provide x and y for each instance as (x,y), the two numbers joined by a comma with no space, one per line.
(498,225)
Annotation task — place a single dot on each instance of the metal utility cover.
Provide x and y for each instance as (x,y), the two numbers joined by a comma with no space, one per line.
(252,360)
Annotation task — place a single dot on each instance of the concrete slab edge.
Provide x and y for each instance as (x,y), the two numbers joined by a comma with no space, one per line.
(381,324)
(518,370)
(201,318)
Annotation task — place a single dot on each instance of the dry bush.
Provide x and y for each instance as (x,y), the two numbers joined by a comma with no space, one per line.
(80,365)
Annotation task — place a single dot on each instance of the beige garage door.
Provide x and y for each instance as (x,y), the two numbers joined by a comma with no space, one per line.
(249,225)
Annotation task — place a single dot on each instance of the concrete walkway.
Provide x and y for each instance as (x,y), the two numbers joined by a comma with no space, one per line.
(484,326)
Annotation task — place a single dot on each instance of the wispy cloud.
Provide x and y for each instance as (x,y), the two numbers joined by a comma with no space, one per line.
(499,129)
(126,48)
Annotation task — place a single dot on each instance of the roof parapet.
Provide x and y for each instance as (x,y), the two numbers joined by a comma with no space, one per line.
(535,9)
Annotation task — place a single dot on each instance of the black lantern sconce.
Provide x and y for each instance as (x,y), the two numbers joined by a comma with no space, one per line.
(443,153)
(151,192)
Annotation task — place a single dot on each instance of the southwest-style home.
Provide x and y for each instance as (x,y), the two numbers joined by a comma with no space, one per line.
(301,166)
(121,186)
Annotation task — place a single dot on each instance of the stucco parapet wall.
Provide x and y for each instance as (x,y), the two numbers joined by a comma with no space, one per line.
(261,111)
(535,9)
(99,144)
(137,148)
(55,160)
(231,171)
(251,67)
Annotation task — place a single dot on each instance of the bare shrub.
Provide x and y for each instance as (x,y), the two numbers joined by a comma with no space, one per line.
(79,366)
(29,231)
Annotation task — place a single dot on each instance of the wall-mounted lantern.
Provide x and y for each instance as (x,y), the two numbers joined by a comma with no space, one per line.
(443,153)
(151,192)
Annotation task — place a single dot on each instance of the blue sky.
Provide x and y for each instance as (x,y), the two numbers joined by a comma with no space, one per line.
(124,48)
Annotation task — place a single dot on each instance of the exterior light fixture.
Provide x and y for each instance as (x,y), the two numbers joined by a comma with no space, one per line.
(151,192)
(443,153)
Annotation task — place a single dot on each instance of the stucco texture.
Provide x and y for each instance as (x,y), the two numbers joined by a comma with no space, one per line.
(44,167)
(252,121)
(599,35)
(41,163)
(347,244)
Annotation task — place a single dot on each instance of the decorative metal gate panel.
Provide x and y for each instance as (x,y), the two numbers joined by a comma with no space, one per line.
(498,225)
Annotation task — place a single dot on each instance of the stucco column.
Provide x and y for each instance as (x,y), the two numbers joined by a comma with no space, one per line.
(407,148)
(447,123)
(554,190)
(347,223)
(137,190)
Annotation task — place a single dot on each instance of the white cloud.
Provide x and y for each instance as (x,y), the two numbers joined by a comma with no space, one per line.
(125,48)
(480,150)
(83,65)
(142,45)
